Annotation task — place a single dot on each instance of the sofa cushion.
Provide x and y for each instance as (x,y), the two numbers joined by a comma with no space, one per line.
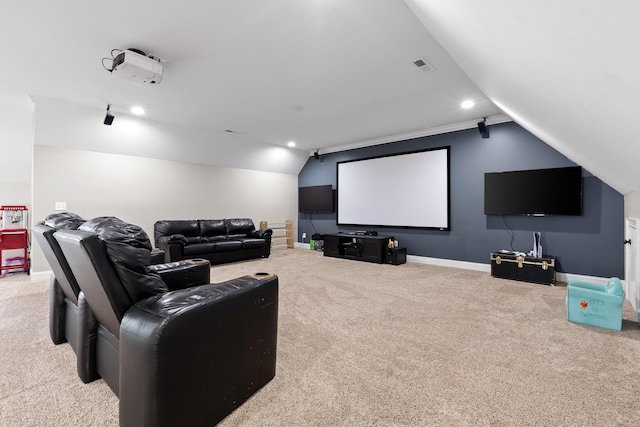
(199,249)
(194,240)
(227,245)
(188,228)
(212,227)
(239,226)
(212,239)
(252,243)
(196,249)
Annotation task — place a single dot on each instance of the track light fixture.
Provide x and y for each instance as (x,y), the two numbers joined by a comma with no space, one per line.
(316,155)
(483,129)
(108,119)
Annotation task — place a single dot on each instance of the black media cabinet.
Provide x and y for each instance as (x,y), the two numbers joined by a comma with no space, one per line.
(361,248)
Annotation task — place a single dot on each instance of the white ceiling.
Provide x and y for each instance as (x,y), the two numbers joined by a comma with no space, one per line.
(323,73)
(334,73)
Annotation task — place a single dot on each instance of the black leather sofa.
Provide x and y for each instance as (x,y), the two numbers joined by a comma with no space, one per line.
(217,240)
(174,357)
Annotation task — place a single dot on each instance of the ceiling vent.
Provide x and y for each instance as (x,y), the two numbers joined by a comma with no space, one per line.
(422,65)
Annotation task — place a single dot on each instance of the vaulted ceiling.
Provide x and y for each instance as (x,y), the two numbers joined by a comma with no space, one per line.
(564,70)
(330,74)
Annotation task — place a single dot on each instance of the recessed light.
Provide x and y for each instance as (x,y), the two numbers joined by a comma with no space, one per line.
(291,144)
(467,104)
(137,110)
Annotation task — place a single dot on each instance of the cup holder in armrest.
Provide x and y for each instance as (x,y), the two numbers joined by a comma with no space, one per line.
(262,275)
(196,261)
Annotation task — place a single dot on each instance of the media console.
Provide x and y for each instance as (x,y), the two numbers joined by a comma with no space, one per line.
(363,248)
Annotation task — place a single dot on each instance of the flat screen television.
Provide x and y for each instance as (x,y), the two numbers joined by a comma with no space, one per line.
(315,199)
(556,191)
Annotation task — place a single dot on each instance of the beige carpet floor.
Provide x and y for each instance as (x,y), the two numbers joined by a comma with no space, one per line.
(364,344)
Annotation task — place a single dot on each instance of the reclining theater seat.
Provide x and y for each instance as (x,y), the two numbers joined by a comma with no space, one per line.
(70,319)
(183,357)
(218,240)
(131,247)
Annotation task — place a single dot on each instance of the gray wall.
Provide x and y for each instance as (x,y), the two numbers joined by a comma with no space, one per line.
(15,193)
(143,190)
(590,244)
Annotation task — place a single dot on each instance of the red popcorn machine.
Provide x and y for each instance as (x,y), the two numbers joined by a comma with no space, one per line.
(14,239)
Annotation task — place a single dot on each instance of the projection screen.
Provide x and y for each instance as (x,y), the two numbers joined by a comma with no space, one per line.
(401,190)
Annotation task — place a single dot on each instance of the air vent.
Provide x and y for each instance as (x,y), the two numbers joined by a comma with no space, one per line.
(422,65)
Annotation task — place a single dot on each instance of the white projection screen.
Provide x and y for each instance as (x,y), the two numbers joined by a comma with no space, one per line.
(402,190)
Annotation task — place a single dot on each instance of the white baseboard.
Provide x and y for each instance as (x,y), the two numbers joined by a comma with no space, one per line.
(564,277)
(561,277)
(466,265)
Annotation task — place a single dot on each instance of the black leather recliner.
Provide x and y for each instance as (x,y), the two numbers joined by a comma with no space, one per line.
(175,357)
(70,317)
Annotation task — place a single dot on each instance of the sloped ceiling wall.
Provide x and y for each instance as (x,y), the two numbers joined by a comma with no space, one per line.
(566,71)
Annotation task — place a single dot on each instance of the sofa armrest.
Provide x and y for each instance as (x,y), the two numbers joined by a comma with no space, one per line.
(173,246)
(184,274)
(212,345)
(262,233)
(174,238)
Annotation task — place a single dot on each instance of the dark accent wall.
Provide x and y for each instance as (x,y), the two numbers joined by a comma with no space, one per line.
(591,244)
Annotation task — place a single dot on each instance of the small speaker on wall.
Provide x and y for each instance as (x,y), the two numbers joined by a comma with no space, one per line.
(108,119)
(483,129)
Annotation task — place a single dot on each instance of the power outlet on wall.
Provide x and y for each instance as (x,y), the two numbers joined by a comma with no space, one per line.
(61,206)
(304,236)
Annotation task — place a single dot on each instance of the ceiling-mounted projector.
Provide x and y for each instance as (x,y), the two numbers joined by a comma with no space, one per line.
(134,65)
